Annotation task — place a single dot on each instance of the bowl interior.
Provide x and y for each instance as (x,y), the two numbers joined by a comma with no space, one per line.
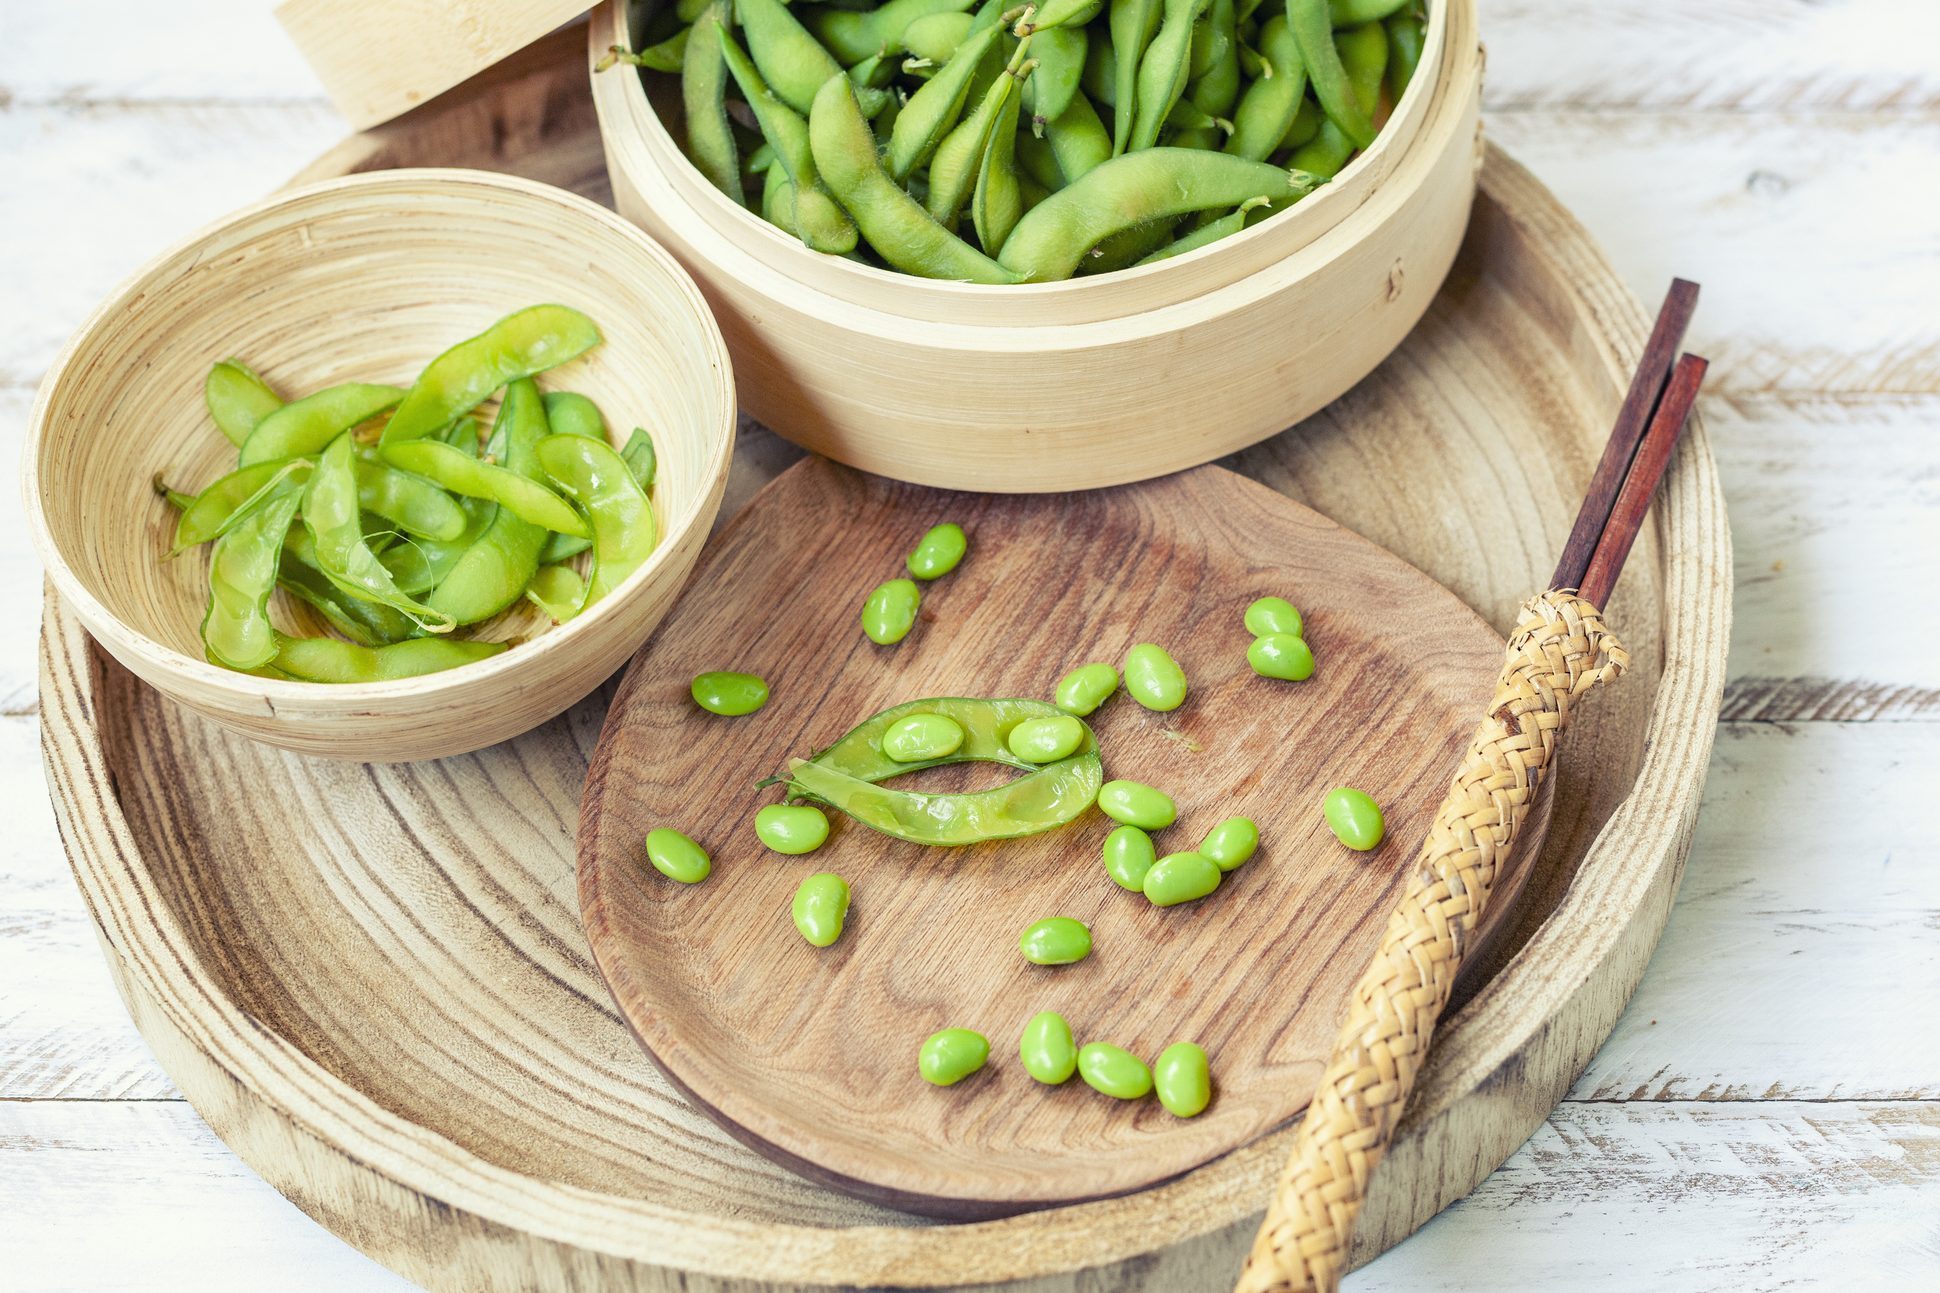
(366,279)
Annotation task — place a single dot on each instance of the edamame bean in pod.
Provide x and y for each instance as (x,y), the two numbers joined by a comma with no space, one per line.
(1281,655)
(922,737)
(792,828)
(598,480)
(1135,804)
(1153,678)
(1272,615)
(1114,1071)
(1049,1051)
(890,611)
(951,1054)
(1181,877)
(1231,843)
(937,553)
(1060,940)
(1046,740)
(676,856)
(1129,855)
(1085,688)
(1354,818)
(1183,1078)
(820,909)
(723,691)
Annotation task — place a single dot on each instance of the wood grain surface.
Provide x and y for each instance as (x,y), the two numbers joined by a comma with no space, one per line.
(809,1055)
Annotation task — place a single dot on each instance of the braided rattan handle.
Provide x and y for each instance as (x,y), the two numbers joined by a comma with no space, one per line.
(1559,650)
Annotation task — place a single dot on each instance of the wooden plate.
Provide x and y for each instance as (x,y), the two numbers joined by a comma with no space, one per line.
(809,1056)
(373,981)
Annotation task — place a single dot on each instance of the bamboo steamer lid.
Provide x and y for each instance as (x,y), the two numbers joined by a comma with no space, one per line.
(380,58)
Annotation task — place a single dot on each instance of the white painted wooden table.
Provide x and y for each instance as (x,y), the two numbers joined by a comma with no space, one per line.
(1768,1112)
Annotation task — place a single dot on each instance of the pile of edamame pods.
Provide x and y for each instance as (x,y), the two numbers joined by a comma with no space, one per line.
(1012,143)
(397,532)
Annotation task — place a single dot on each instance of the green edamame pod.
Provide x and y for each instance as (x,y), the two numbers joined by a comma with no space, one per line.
(1181,877)
(726,692)
(1313,31)
(821,907)
(1213,85)
(1163,71)
(303,427)
(792,828)
(1053,14)
(1114,1071)
(332,516)
(1038,164)
(896,225)
(1153,678)
(676,856)
(1085,688)
(1079,141)
(1129,855)
(1207,234)
(1047,1048)
(238,400)
(365,623)
(1406,35)
(1041,800)
(1060,53)
(328,660)
(1060,940)
(1099,82)
(495,570)
(1307,121)
(625,532)
(640,457)
(793,61)
(522,344)
(889,612)
(950,1055)
(934,37)
(1183,1079)
(1137,189)
(855,35)
(778,199)
(1354,818)
(1348,13)
(1132,25)
(413,504)
(1266,112)
(211,513)
(937,553)
(460,473)
(997,202)
(558,591)
(662,56)
(1133,803)
(934,109)
(570,413)
(236,630)
(819,222)
(954,167)
(703,97)
(419,565)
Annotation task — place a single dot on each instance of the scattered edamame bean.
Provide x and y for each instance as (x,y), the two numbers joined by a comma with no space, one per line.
(1135,804)
(890,612)
(1354,818)
(1046,740)
(1183,1079)
(1059,940)
(820,907)
(725,692)
(1114,1071)
(792,828)
(936,554)
(1085,688)
(950,1055)
(1231,843)
(1154,678)
(1049,1052)
(1272,615)
(1281,655)
(1181,877)
(922,737)
(677,857)
(1128,856)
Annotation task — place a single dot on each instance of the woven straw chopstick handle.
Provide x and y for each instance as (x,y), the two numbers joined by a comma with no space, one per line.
(1558,651)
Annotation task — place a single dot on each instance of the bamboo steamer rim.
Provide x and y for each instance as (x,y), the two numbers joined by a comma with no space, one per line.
(1132,303)
(1634,859)
(201,673)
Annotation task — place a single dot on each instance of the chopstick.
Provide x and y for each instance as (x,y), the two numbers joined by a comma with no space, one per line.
(1633,418)
(1640,483)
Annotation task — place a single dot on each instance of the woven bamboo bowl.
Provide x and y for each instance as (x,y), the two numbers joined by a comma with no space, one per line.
(365,278)
(1096,381)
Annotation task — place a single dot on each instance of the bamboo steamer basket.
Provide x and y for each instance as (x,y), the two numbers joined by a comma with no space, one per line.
(1090,382)
(365,279)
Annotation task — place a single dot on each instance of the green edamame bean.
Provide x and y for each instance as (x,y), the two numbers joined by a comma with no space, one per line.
(334,521)
(792,828)
(328,660)
(524,343)
(703,97)
(1313,30)
(937,553)
(490,574)
(1163,70)
(1132,25)
(1114,1071)
(922,737)
(1230,843)
(951,1054)
(303,427)
(598,480)
(1273,615)
(676,856)
(570,413)
(1136,804)
(1085,688)
(1049,1051)
(897,226)
(1129,855)
(415,505)
(558,591)
(821,905)
(722,691)
(1138,190)
(1281,655)
(238,400)
(1181,877)
(890,612)
(935,108)
(236,629)
(1046,740)
(1211,232)
(1183,1079)
(1057,941)
(1354,818)
(1153,678)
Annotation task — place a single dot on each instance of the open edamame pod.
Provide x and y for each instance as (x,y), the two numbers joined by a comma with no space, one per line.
(332,516)
(491,574)
(462,474)
(413,504)
(521,344)
(242,573)
(216,509)
(303,427)
(597,479)
(328,660)
(238,400)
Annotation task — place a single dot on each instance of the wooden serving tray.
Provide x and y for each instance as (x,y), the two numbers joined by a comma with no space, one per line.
(372,981)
